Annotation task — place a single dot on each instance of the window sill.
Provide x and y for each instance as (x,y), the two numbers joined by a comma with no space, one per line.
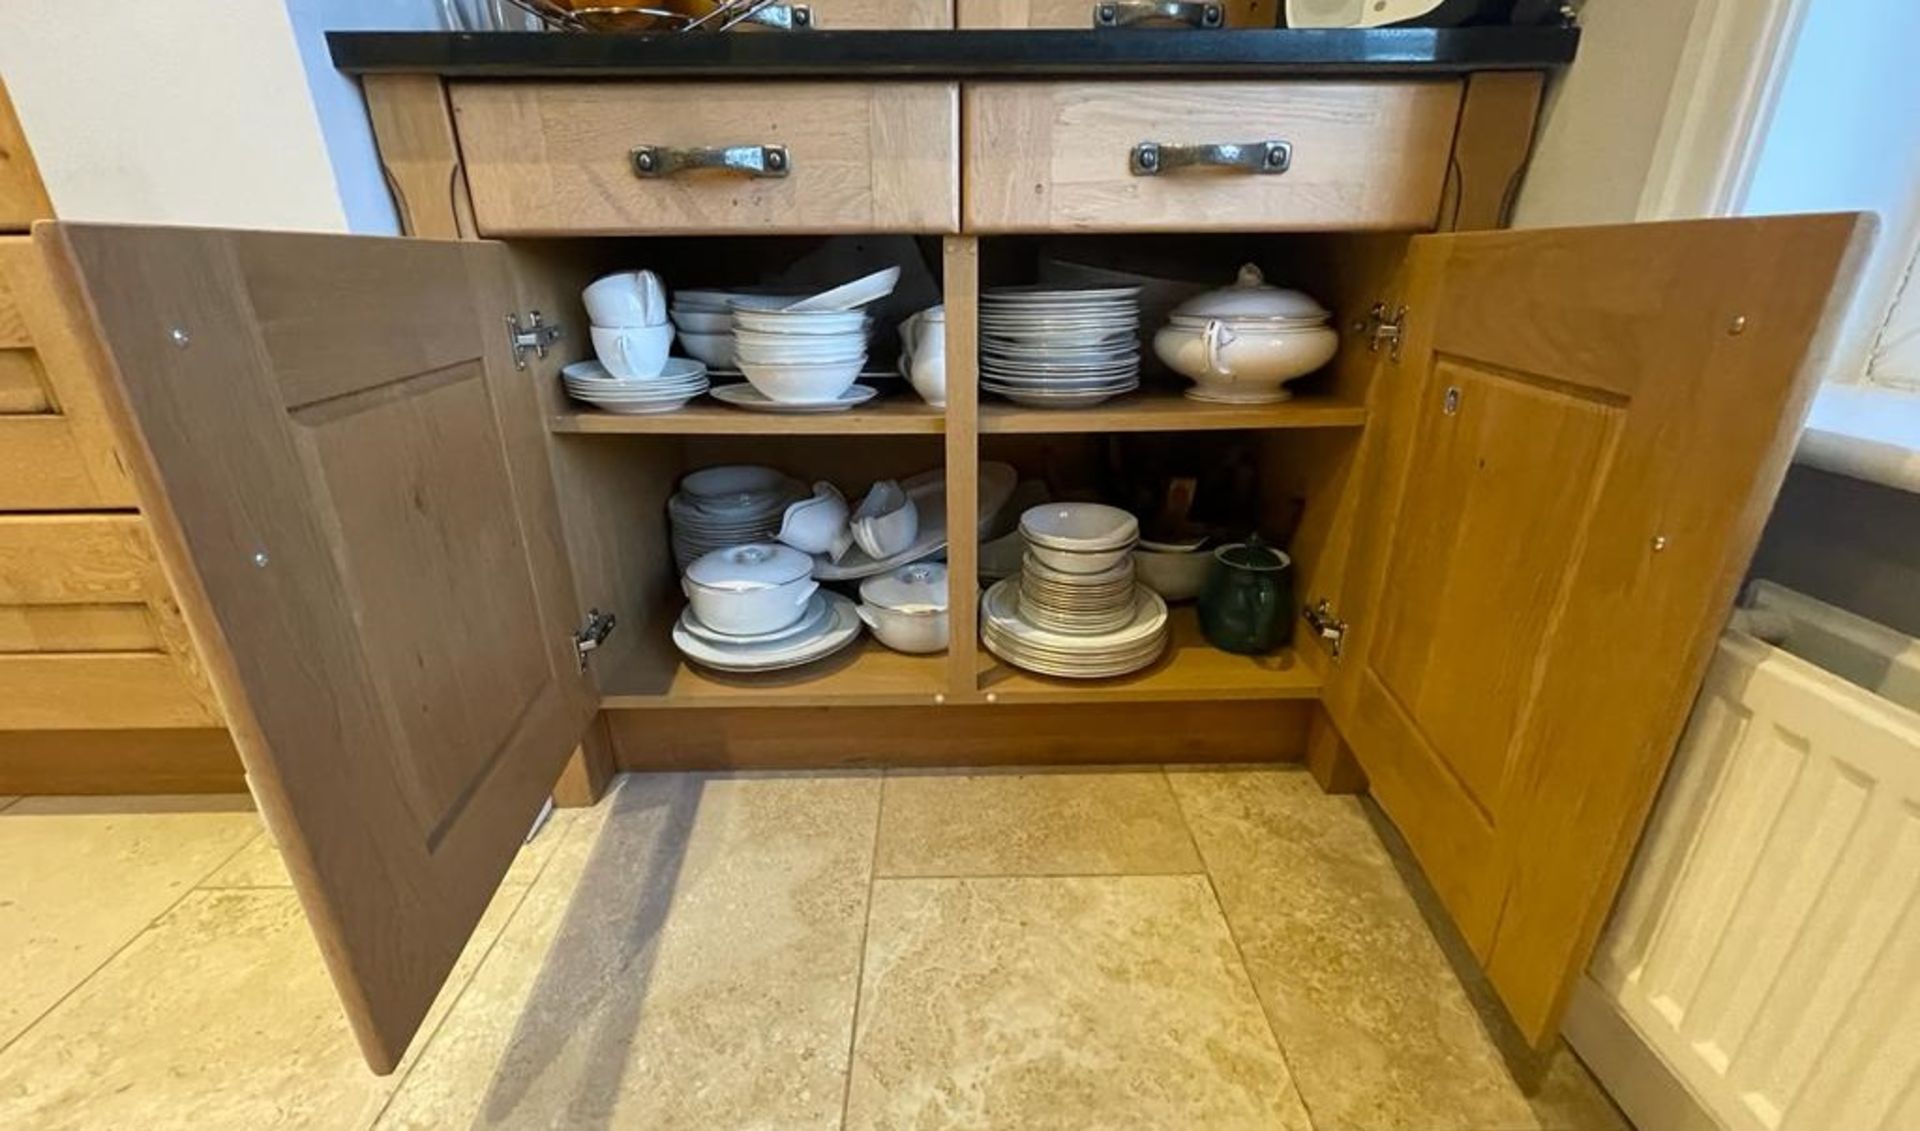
(1868,432)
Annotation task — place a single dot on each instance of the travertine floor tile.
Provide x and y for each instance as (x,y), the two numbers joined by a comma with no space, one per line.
(1066,822)
(699,974)
(1376,1028)
(80,877)
(219,1016)
(1570,1099)
(1105,1002)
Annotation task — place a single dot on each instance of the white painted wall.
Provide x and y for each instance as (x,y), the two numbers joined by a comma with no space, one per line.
(215,112)
(183,113)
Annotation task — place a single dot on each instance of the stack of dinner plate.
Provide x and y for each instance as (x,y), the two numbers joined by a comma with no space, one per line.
(1074,609)
(1053,348)
(679,382)
(726,506)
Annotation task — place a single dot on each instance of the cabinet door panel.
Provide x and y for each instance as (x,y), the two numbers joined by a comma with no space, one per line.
(1568,471)
(349,492)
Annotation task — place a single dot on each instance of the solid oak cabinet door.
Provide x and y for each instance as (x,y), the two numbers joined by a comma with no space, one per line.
(1568,469)
(349,486)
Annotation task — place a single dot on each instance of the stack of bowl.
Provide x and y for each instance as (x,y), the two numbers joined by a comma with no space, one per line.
(801,358)
(1075,609)
(704,319)
(727,506)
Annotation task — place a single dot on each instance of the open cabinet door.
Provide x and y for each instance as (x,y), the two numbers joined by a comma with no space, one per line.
(1569,464)
(348,484)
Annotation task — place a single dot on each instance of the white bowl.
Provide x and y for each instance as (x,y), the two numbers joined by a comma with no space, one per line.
(633,351)
(703,321)
(1242,361)
(799,323)
(800,351)
(791,383)
(714,349)
(917,631)
(1177,575)
(1079,526)
(1078,561)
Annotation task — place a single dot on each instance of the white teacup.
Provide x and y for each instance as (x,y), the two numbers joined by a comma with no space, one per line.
(626,298)
(633,352)
(923,354)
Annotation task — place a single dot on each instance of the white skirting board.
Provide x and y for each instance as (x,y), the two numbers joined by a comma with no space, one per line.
(1762,968)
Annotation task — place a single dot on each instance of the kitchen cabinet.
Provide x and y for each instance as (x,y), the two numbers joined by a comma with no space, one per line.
(1525,490)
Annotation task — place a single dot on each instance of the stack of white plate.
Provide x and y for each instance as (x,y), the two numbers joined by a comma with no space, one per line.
(829,624)
(682,380)
(1052,348)
(728,506)
(1074,609)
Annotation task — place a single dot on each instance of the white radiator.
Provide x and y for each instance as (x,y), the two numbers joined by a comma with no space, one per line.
(1765,952)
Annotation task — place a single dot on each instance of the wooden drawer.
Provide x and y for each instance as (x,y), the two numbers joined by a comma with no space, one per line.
(1364,155)
(556,158)
(99,691)
(881,15)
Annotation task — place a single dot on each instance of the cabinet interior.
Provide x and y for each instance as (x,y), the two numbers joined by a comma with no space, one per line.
(1281,470)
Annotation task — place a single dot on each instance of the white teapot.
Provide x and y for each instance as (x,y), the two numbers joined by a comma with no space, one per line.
(923,354)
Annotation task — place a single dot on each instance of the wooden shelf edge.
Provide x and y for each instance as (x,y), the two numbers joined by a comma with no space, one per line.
(1171,412)
(708,420)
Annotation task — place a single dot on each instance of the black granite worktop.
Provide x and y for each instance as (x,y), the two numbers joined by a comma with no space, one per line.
(1279,53)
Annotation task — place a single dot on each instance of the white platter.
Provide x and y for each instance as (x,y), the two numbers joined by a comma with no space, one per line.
(841,628)
(746,396)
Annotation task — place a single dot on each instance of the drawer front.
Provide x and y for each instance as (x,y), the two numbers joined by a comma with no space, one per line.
(1367,155)
(1078,14)
(558,158)
(99,691)
(881,15)
(42,467)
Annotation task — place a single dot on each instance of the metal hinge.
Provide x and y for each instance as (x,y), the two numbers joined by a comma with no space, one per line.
(537,336)
(1327,626)
(592,634)
(1383,328)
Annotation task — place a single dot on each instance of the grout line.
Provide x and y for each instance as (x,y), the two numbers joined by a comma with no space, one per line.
(1280,1046)
(866,928)
(426,1042)
(135,937)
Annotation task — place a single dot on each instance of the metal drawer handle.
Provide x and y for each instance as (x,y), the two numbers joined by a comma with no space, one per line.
(1130,13)
(754,160)
(1152,158)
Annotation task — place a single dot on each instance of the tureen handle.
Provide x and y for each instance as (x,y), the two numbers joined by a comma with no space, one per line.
(1214,337)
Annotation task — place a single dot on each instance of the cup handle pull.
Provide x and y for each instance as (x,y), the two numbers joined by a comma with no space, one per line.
(757,161)
(1263,158)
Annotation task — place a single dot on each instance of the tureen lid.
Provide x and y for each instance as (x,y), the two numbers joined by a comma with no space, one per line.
(920,586)
(761,565)
(1251,297)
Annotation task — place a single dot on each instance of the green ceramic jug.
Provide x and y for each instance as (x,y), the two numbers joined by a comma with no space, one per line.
(1247,604)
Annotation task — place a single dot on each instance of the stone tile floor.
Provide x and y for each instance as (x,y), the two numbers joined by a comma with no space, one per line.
(1187,948)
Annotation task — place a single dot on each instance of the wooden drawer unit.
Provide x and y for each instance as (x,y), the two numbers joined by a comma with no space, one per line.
(1079,14)
(881,15)
(1067,156)
(568,158)
(90,637)
(55,452)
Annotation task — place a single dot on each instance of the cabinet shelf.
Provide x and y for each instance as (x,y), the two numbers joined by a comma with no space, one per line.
(1191,669)
(1160,411)
(866,674)
(883,416)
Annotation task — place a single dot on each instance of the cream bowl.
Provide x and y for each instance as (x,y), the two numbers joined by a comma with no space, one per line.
(1079,526)
(1244,360)
(791,383)
(1177,575)
(1078,562)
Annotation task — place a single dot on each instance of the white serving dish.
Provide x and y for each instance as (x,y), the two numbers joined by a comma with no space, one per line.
(748,590)
(632,352)
(1079,526)
(818,613)
(928,490)
(793,383)
(1243,365)
(1177,575)
(841,628)
(818,524)
(907,608)
(886,521)
(851,296)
